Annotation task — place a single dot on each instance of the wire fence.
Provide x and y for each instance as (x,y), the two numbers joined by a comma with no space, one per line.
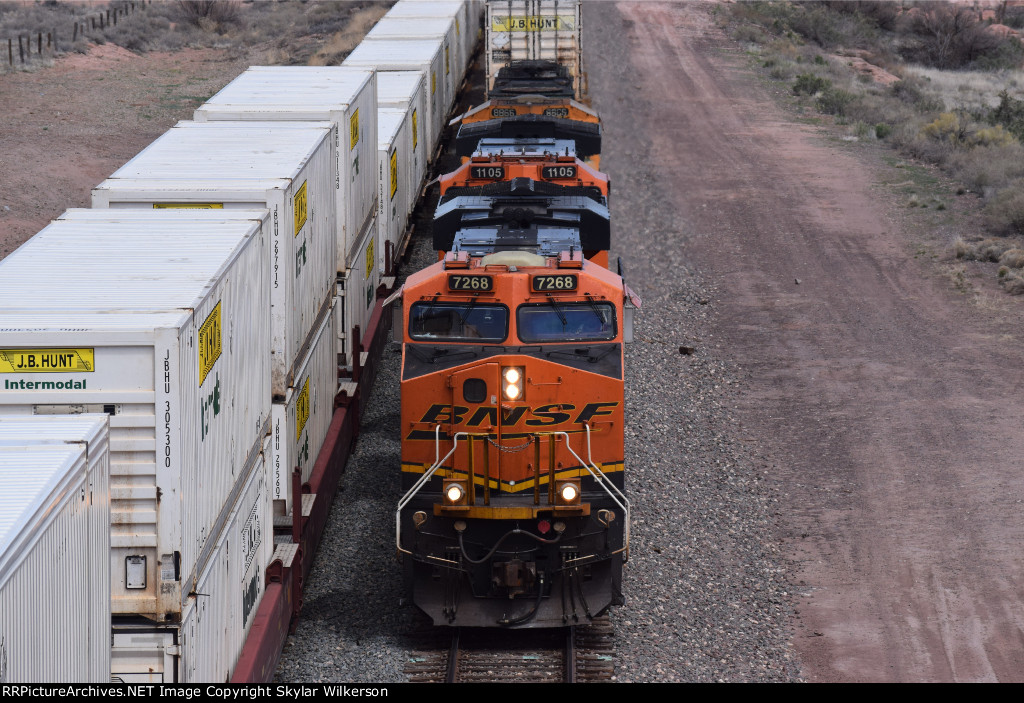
(41,43)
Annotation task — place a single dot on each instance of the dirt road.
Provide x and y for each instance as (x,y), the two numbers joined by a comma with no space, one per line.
(889,404)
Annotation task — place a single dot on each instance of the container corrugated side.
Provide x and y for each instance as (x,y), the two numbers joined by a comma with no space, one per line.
(439,25)
(92,432)
(357,295)
(204,647)
(394,126)
(420,55)
(288,168)
(407,90)
(50,614)
(466,25)
(299,424)
(345,97)
(166,338)
(518,30)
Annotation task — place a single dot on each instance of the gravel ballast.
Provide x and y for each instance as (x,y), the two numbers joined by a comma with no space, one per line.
(706,591)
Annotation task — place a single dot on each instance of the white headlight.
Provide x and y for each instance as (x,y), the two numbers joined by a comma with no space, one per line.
(569,493)
(453,493)
(511,391)
(512,375)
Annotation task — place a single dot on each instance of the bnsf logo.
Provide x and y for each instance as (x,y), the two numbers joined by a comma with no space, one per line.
(541,416)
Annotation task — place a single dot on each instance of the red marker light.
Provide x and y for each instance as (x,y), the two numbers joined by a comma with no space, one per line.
(543,526)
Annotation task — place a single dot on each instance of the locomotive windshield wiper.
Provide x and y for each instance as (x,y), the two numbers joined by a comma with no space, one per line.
(561,315)
(583,351)
(462,317)
(593,306)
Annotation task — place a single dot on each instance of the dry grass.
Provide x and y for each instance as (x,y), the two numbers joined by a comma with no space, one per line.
(970,90)
(286,31)
(343,42)
(1005,211)
(1012,258)
(985,250)
(1012,282)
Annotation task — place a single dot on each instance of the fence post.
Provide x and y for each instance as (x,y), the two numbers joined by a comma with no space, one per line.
(10,51)
(39,46)
(74,34)
(21,50)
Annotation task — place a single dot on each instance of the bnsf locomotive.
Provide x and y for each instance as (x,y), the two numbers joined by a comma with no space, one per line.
(532,100)
(512,438)
(514,511)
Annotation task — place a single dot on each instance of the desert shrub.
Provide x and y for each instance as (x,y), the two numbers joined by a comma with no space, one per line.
(1005,211)
(985,167)
(830,24)
(946,35)
(985,250)
(834,101)
(208,14)
(782,71)
(1012,283)
(882,130)
(816,23)
(993,136)
(1012,258)
(911,90)
(949,127)
(1014,17)
(749,34)
(810,84)
(1010,114)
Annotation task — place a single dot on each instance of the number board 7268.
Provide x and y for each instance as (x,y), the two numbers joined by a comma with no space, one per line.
(547,284)
(470,283)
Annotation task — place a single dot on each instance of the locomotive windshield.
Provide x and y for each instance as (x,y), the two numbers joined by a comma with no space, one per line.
(458,322)
(556,321)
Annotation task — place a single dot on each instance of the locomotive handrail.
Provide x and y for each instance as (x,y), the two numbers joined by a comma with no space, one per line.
(423,479)
(617,497)
(602,481)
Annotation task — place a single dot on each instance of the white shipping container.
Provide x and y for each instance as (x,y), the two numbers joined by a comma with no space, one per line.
(406,90)
(92,434)
(345,97)
(357,295)
(420,55)
(286,167)
(438,25)
(204,647)
(52,559)
(394,129)
(518,30)
(299,424)
(466,26)
(159,321)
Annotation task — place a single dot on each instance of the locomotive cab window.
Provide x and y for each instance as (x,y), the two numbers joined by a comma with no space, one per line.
(557,321)
(458,322)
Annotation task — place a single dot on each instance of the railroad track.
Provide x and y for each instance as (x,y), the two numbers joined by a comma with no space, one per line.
(582,654)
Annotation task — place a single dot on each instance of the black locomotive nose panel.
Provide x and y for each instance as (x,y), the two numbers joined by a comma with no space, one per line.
(459,570)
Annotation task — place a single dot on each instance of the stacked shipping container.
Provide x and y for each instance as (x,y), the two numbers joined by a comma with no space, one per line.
(157,337)
(202,307)
(54,549)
